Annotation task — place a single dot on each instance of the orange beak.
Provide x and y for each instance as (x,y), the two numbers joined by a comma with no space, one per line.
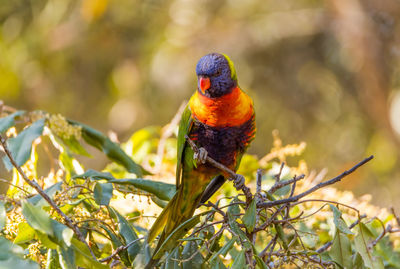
(204,84)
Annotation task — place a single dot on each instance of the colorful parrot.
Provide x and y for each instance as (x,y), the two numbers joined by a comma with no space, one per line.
(220,119)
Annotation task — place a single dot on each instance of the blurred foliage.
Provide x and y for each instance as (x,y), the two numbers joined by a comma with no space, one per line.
(324,72)
(115,207)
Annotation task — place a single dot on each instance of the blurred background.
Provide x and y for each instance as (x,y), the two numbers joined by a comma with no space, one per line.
(323,72)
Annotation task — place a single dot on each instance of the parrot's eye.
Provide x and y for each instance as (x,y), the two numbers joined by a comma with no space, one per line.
(218,73)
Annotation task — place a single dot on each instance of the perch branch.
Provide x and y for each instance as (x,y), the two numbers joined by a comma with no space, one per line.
(244,188)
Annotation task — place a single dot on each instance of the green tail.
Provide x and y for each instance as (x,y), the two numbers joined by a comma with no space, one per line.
(179,209)
(161,221)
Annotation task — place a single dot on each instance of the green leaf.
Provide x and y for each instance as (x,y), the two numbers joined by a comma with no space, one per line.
(236,229)
(162,190)
(63,234)
(172,260)
(67,164)
(103,193)
(195,261)
(9,121)
(249,218)
(129,234)
(2,215)
(52,259)
(338,220)
(116,242)
(358,262)
(217,264)
(37,218)
(361,243)
(215,243)
(176,234)
(92,174)
(38,200)
(158,201)
(143,142)
(73,145)
(385,250)
(25,233)
(21,145)
(234,209)
(340,251)
(239,261)
(308,236)
(281,235)
(260,263)
(11,256)
(224,250)
(83,257)
(46,241)
(66,258)
(111,149)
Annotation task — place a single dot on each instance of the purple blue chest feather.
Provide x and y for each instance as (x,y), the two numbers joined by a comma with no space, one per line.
(223,144)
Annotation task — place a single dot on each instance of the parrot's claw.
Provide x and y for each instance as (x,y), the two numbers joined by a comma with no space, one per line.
(238,181)
(201,156)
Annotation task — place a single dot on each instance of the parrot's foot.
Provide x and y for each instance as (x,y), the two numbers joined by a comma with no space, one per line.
(201,156)
(238,181)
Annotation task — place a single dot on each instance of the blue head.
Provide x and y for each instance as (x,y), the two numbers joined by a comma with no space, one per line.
(216,75)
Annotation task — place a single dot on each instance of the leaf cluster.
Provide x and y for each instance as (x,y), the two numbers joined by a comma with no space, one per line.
(281,225)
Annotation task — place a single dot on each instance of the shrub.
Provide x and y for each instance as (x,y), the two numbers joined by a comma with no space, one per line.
(57,214)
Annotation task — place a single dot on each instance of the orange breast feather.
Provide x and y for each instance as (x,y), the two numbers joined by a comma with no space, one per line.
(230,110)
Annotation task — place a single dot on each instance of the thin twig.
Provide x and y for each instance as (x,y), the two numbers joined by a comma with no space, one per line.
(217,209)
(281,184)
(326,201)
(278,176)
(15,186)
(258,197)
(167,131)
(272,248)
(395,215)
(36,186)
(269,221)
(264,251)
(259,179)
(292,190)
(382,234)
(319,186)
(119,249)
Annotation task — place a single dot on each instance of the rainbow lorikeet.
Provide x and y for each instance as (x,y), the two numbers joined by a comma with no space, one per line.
(220,119)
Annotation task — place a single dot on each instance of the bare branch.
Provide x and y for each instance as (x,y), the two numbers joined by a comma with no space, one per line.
(278,176)
(317,187)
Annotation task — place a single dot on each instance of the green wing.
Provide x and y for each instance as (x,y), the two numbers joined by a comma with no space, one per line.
(184,129)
